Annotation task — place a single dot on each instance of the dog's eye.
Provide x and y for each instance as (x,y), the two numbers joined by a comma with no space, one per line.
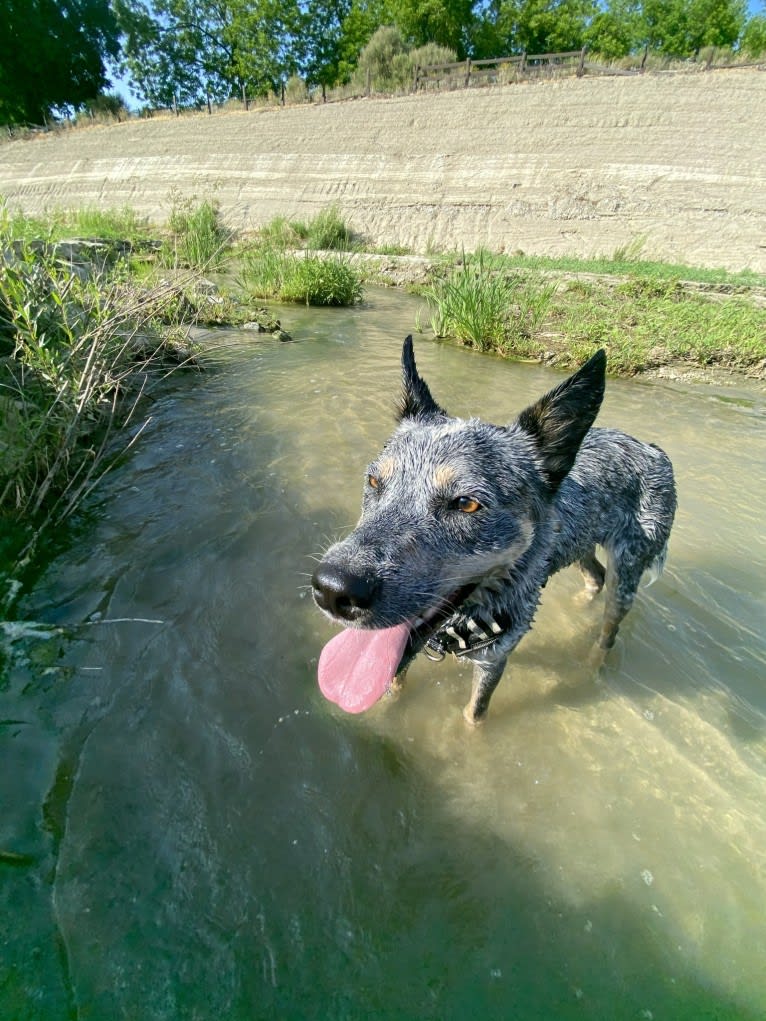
(373,482)
(466,504)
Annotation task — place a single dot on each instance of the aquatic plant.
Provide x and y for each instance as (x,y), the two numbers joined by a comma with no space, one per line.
(306,278)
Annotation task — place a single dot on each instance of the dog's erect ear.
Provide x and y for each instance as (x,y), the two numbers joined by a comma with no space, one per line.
(559,420)
(416,400)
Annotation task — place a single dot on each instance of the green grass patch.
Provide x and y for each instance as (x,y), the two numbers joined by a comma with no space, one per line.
(326,231)
(198,239)
(645,323)
(623,263)
(309,279)
(90,222)
(645,318)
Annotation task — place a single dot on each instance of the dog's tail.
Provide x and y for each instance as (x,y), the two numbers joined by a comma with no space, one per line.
(655,569)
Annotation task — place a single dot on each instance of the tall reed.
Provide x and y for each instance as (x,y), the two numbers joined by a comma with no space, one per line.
(485,307)
(78,350)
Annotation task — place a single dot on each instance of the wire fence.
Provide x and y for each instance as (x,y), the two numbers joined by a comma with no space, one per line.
(433,77)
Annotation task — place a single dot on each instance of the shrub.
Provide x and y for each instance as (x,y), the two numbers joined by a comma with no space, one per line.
(296,90)
(431,53)
(383,61)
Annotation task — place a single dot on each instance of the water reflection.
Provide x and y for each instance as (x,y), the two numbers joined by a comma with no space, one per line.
(212,839)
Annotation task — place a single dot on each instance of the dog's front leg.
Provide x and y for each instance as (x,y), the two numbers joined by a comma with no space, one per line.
(486,676)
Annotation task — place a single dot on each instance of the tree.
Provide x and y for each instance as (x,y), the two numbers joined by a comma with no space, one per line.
(536,26)
(193,49)
(617,30)
(320,40)
(164,57)
(754,36)
(445,22)
(680,28)
(52,54)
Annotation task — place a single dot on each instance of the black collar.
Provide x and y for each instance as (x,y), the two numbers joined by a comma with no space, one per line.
(463,633)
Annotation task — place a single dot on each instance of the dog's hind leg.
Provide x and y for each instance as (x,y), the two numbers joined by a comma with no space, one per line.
(486,677)
(621,586)
(593,573)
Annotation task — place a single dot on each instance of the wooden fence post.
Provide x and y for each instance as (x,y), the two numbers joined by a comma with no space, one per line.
(209,107)
(710,58)
(467,72)
(643,59)
(175,104)
(369,82)
(245,100)
(415,78)
(523,63)
(581,65)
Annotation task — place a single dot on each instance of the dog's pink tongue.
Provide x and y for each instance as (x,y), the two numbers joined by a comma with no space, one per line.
(356,667)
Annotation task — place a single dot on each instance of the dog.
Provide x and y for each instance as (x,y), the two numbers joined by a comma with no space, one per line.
(463,523)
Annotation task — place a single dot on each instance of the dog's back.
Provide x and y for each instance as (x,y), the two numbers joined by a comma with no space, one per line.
(620,494)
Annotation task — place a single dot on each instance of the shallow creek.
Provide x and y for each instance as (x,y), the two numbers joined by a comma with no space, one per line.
(200,835)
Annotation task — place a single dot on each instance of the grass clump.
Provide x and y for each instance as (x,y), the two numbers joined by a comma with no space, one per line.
(327,231)
(320,281)
(480,305)
(198,238)
(308,279)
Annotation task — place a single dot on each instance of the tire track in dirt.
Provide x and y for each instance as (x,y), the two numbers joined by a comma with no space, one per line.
(577,167)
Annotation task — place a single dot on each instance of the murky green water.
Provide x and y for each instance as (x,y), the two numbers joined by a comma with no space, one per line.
(202,836)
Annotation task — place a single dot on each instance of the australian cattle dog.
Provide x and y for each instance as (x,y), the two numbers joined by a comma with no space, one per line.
(463,522)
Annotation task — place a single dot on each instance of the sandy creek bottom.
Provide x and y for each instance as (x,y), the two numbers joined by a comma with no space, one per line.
(205,837)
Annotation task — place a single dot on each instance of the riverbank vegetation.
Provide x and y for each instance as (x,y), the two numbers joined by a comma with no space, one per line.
(560,311)
(88,327)
(293,261)
(78,349)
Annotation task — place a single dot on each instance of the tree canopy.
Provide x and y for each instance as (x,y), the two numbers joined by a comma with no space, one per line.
(53,54)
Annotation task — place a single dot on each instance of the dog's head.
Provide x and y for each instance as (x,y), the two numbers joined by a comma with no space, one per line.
(449,504)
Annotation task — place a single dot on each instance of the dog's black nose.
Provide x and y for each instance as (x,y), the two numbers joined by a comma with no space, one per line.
(342,593)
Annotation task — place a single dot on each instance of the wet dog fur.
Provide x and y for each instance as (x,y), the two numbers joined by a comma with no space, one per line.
(467,518)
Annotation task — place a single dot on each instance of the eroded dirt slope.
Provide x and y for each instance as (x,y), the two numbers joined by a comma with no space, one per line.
(578,166)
